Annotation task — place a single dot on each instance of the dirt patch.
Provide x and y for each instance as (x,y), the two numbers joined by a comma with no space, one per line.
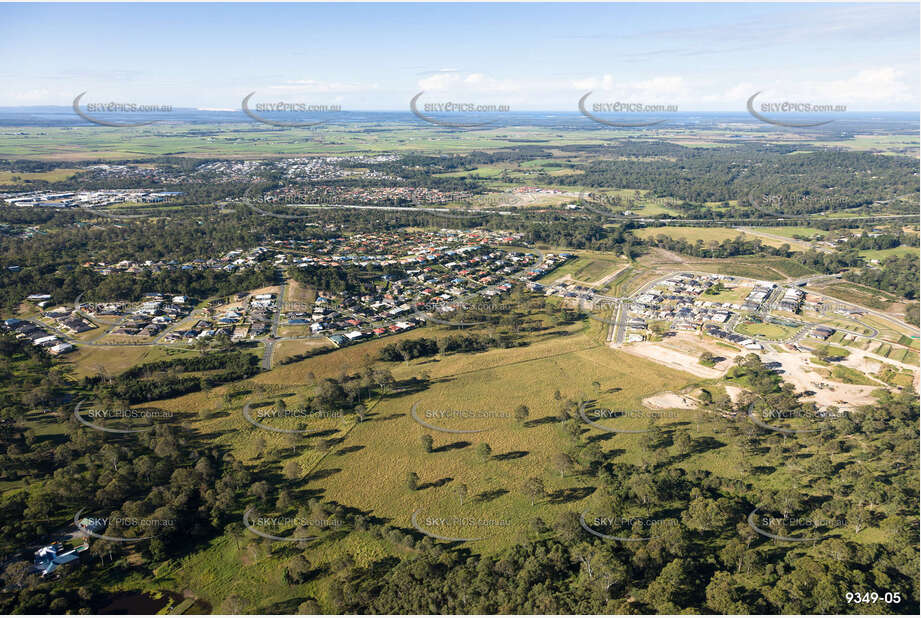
(668,400)
(671,358)
(734,393)
(860,362)
(803,375)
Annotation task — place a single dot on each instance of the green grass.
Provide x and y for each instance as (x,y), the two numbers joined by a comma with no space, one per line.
(765,330)
(788,267)
(859,294)
(732,295)
(56,175)
(596,269)
(791,231)
(367,470)
(851,376)
(749,270)
(690,234)
(882,254)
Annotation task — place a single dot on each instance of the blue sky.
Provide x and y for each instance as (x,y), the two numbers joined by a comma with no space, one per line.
(527,56)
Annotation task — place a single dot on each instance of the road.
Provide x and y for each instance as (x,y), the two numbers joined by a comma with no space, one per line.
(272,339)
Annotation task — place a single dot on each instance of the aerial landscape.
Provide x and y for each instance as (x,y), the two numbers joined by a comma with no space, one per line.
(368,321)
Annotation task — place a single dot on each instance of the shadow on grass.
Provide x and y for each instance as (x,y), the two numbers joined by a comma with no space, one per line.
(319,475)
(453,446)
(489,495)
(570,494)
(511,455)
(439,483)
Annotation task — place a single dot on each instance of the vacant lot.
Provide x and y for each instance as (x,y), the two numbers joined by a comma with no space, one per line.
(691,234)
(791,231)
(729,295)
(859,294)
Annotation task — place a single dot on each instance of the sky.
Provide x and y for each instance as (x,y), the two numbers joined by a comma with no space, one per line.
(698,57)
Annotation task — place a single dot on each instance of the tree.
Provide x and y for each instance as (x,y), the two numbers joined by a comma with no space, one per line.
(522,413)
(484,451)
(234,604)
(683,442)
(284,500)
(461,492)
(427,442)
(292,440)
(412,481)
(297,569)
(17,574)
(310,607)
(707,359)
(292,470)
(671,589)
(260,489)
(534,489)
(724,596)
(563,463)
(568,527)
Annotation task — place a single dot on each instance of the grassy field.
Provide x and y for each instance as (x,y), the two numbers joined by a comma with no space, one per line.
(90,361)
(882,254)
(588,267)
(859,294)
(367,469)
(286,349)
(737,268)
(851,376)
(596,269)
(495,381)
(791,231)
(730,295)
(765,330)
(366,464)
(56,175)
(706,234)
(691,234)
